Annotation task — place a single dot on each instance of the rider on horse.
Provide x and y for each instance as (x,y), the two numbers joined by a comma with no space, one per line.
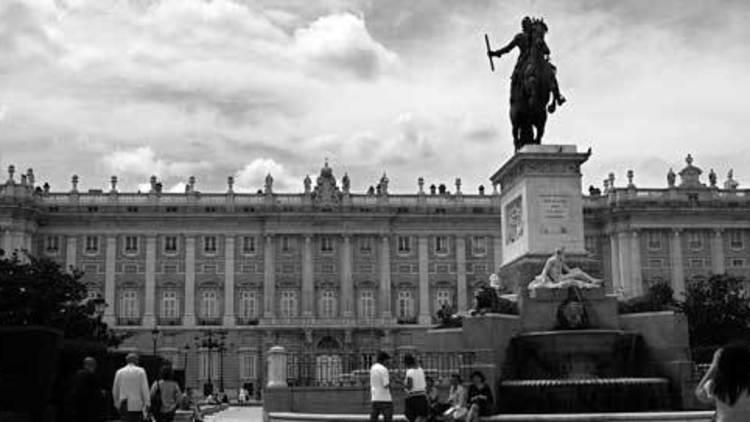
(523,41)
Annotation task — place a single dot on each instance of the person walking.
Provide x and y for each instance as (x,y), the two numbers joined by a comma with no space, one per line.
(87,396)
(727,383)
(166,392)
(415,385)
(380,389)
(130,391)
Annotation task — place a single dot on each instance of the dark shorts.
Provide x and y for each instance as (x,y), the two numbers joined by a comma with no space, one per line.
(384,408)
(416,406)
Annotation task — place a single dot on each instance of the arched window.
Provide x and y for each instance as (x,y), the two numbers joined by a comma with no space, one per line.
(443,297)
(129,302)
(367,304)
(248,304)
(288,305)
(327,369)
(328,304)
(405,304)
(170,305)
(209,304)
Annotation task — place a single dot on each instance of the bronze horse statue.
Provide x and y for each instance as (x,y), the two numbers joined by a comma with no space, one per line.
(534,88)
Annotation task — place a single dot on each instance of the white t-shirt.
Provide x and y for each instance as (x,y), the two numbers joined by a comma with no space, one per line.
(418,382)
(379,382)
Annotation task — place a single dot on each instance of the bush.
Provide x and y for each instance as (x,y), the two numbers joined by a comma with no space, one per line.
(718,312)
(658,298)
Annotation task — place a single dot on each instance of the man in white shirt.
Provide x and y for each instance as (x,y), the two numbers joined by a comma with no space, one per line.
(130,390)
(380,389)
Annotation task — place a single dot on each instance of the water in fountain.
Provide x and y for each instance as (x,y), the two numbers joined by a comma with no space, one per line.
(580,371)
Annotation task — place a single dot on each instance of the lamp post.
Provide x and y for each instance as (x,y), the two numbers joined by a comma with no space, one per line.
(154,338)
(210,343)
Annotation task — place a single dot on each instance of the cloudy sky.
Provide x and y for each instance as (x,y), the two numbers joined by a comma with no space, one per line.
(217,88)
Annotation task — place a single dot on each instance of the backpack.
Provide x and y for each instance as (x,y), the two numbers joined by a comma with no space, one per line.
(156,401)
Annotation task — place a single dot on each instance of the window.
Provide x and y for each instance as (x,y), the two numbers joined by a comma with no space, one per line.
(590,244)
(209,304)
(92,294)
(735,239)
(209,244)
(208,364)
(738,262)
(404,244)
(695,240)
(248,360)
(479,245)
(248,305)
(52,244)
(288,306)
(655,263)
(327,369)
(326,244)
(367,304)
(170,306)
(697,263)
(170,244)
(365,245)
(405,305)
(129,308)
(131,244)
(441,244)
(328,304)
(286,244)
(654,240)
(248,245)
(443,297)
(92,244)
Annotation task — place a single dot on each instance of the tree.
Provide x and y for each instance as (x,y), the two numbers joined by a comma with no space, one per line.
(718,311)
(37,291)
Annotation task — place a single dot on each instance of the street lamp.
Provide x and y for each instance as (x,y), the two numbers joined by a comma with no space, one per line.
(210,343)
(154,338)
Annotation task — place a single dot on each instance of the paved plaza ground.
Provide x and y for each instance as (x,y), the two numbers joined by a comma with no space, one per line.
(238,414)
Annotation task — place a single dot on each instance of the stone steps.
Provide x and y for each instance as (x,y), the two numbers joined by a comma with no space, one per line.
(692,416)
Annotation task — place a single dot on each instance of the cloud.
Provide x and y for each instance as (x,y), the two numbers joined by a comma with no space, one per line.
(340,43)
(143,162)
(252,177)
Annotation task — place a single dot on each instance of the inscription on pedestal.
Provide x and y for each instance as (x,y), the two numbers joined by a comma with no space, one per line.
(555,213)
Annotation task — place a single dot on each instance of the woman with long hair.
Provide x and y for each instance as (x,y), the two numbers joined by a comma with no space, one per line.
(727,383)
(166,393)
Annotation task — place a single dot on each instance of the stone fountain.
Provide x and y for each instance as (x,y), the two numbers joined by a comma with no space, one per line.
(568,350)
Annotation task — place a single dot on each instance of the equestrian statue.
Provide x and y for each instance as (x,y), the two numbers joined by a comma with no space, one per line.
(533,90)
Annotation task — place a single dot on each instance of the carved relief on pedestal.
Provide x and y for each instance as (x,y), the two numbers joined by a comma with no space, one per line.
(514,220)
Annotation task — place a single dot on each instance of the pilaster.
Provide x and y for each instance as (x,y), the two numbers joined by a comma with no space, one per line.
(269,278)
(70,252)
(636,268)
(623,248)
(229,320)
(424,281)
(461,273)
(189,318)
(718,265)
(385,277)
(109,278)
(347,287)
(617,284)
(308,287)
(149,314)
(678,271)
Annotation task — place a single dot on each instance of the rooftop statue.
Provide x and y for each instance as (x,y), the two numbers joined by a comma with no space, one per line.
(533,81)
(557,275)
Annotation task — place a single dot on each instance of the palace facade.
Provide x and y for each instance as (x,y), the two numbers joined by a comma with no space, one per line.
(332,271)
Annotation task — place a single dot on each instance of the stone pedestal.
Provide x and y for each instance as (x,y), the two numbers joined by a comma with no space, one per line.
(541,201)
(277,368)
(540,312)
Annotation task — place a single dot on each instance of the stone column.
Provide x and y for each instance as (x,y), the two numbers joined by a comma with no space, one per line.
(623,247)
(385,277)
(347,284)
(229,320)
(614,263)
(277,367)
(7,242)
(308,286)
(189,317)
(718,265)
(269,278)
(636,267)
(109,279)
(149,315)
(497,252)
(424,281)
(461,273)
(70,252)
(678,272)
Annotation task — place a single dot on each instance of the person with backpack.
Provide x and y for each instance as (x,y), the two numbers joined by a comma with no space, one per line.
(165,395)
